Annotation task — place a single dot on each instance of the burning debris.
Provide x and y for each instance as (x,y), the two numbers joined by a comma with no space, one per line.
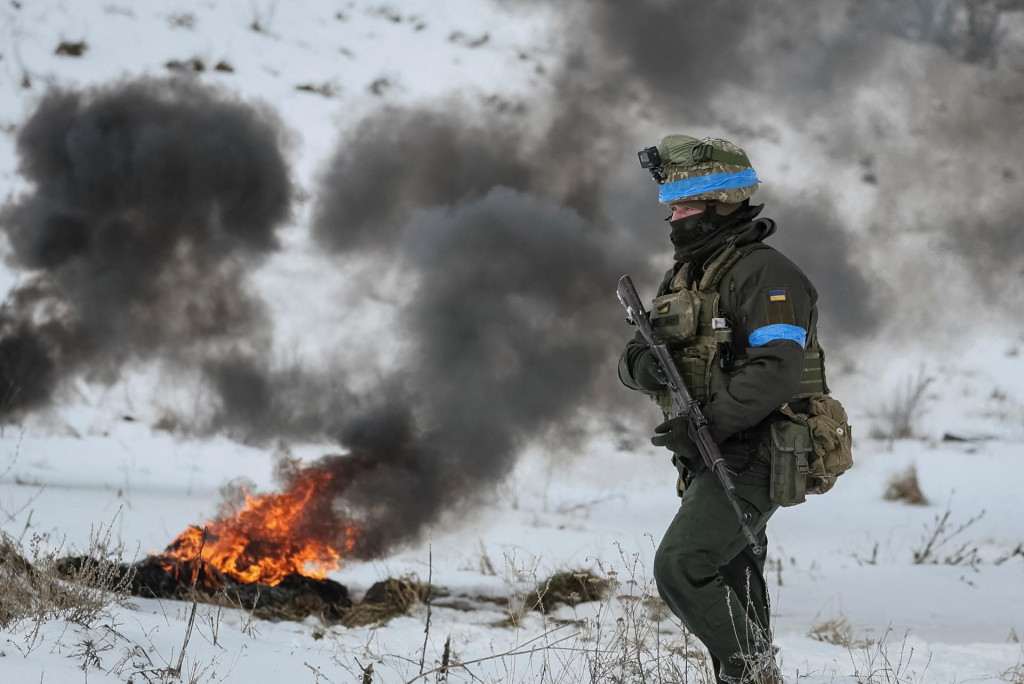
(269,556)
(295,597)
(273,537)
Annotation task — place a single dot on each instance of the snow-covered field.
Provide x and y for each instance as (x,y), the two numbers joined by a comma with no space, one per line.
(96,461)
(845,556)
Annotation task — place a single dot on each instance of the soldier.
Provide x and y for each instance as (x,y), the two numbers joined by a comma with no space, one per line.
(740,319)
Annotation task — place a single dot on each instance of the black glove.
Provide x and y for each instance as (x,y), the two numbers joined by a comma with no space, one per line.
(676,435)
(648,374)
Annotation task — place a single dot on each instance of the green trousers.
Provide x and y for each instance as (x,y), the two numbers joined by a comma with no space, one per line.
(708,574)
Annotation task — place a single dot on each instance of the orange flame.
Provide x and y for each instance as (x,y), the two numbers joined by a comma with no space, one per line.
(266,540)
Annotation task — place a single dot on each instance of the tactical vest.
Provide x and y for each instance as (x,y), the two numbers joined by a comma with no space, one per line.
(696,324)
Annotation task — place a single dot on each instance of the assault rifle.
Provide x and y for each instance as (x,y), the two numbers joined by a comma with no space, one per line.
(683,403)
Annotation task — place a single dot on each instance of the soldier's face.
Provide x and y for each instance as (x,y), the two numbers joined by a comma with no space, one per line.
(684,209)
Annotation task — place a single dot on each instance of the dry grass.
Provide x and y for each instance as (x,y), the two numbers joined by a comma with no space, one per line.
(937,546)
(1015,674)
(385,600)
(17,594)
(876,661)
(904,486)
(898,415)
(835,631)
(37,587)
(570,588)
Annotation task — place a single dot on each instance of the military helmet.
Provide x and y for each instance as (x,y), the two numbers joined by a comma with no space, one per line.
(689,169)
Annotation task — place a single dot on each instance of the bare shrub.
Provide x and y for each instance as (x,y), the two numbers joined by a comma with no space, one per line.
(1015,674)
(898,415)
(263,17)
(44,588)
(17,595)
(570,588)
(71,49)
(387,599)
(835,631)
(875,662)
(191,65)
(327,90)
(168,422)
(618,638)
(182,20)
(938,539)
(903,486)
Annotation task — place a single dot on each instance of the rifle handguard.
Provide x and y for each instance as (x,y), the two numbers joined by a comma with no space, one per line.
(684,403)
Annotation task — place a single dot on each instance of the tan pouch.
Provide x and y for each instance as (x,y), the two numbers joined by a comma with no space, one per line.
(833,442)
(809,451)
(676,315)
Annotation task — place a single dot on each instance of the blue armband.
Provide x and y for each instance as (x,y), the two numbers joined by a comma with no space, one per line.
(779,331)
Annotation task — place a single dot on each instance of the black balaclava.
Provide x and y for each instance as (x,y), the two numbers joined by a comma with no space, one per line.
(692,236)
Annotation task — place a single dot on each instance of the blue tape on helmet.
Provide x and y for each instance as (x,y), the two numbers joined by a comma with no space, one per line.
(779,331)
(690,187)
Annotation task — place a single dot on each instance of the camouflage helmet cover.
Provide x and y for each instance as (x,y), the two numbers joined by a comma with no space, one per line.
(704,169)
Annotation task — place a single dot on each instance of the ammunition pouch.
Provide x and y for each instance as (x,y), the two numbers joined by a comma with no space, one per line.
(684,319)
(809,451)
(695,323)
(789,448)
(676,316)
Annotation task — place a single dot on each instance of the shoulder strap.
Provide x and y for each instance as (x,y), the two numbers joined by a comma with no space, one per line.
(723,263)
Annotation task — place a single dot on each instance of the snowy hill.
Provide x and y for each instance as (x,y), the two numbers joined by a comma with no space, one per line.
(446,195)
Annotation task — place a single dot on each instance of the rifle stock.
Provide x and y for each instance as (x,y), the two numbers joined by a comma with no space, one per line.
(683,402)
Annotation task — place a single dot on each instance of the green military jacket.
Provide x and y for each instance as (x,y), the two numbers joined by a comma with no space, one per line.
(770,305)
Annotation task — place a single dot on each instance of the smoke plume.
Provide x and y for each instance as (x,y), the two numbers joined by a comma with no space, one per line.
(510,263)
(398,160)
(153,200)
(150,201)
(510,317)
(514,327)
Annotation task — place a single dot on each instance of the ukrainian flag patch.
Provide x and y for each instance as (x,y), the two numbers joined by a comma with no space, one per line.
(778,307)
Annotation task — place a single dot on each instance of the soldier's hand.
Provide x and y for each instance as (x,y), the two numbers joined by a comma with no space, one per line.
(676,435)
(648,373)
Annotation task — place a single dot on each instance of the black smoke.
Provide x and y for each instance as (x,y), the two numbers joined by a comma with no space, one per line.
(150,200)
(929,90)
(734,69)
(259,400)
(508,230)
(511,317)
(398,160)
(814,237)
(511,236)
(510,261)
(515,329)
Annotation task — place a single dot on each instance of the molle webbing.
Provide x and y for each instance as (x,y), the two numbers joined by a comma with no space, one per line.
(696,358)
(723,263)
(812,381)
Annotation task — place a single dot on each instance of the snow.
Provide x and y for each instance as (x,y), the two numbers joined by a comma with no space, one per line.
(849,554)
(99,462)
